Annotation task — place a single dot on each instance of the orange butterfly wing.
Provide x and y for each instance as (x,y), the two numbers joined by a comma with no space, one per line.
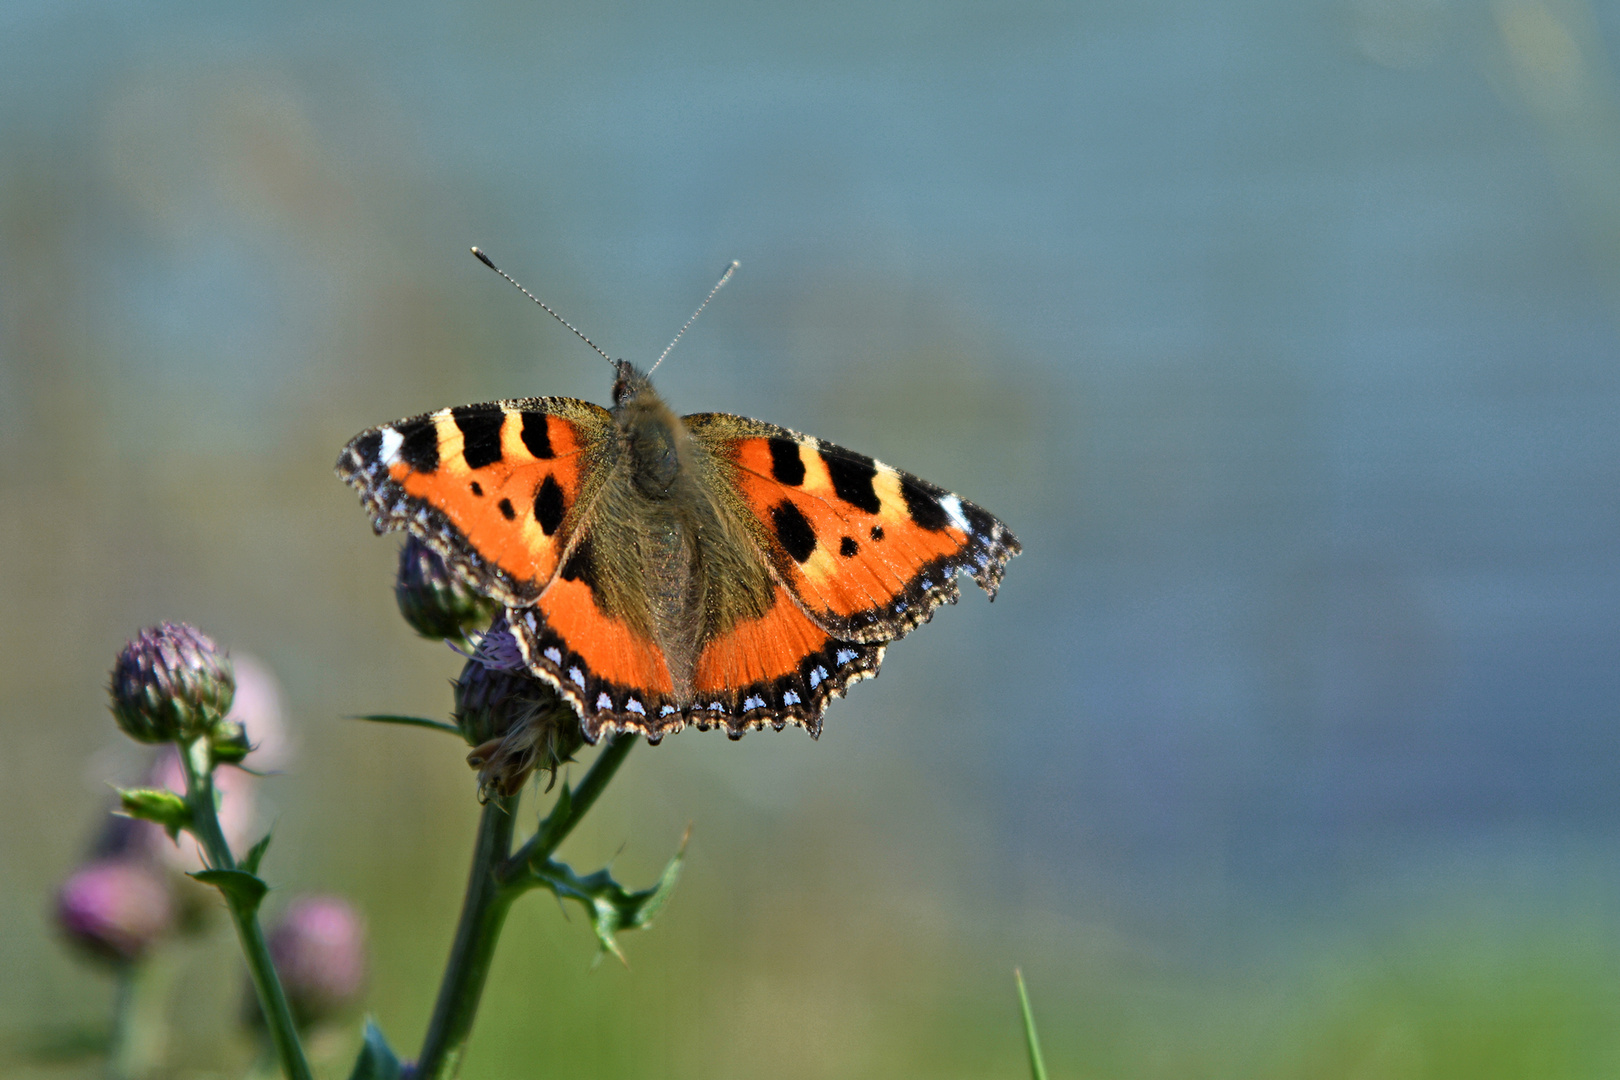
(495,489)
(503,493)
(778,668)
(867,551)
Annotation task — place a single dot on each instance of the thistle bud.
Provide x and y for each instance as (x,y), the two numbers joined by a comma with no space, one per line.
(434,601)
(115,909)
(319,949)
(171,683)
(515,722)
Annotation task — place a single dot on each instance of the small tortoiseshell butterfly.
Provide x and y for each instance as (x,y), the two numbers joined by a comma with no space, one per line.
(660,570)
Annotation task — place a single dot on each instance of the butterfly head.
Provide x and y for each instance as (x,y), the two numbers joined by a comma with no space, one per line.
(656,439)
(629,382)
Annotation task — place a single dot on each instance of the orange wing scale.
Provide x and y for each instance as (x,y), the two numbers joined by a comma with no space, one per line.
(759,650)
(867,550)
(491,488)
(878,571)
(492,506)
(615,652)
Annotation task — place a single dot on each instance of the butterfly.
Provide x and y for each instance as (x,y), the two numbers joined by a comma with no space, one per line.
(662,570)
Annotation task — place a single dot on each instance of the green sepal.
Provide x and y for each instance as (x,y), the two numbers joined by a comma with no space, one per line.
(1037,1067)
(158,805)
(611,906)
(409,721)
(255,855)
(244,889)
(377,1060)
(228,743)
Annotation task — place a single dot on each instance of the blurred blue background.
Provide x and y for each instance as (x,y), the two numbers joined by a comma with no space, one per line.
(1283,335)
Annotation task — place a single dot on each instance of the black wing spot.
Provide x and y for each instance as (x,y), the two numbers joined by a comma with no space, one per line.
(852,479)
(478,489)
(506,509)
(877,532)
(369,447)
(922,505)
(548,505)
(581,565)
(420,448)
(793,530)
(979,521)
(786,465)
(537,434)
(847,547)
(480,434)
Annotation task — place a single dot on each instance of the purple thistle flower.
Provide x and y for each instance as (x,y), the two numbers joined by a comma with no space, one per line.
(319,949)
(171,683)
(515,722)
(116,909)
(498,648)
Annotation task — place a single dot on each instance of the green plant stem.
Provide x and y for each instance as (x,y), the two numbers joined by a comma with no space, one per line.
(138,1035)
(515,872)
(497,878)
(261,969)
(482,913)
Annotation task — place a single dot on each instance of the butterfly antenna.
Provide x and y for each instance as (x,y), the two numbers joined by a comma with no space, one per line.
(485,260)
(725,277)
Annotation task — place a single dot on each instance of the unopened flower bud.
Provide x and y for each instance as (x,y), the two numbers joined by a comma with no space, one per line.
(515,722)
(171,683)
(433,600)
(319,949)
(116,909)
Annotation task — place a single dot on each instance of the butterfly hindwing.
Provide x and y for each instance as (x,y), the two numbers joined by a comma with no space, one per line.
(775,669)
(868,550)
(495,488)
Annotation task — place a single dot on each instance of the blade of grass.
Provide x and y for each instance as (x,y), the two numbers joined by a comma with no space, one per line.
(1037,1067)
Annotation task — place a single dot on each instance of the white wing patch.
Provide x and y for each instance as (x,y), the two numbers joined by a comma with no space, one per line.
(391,442)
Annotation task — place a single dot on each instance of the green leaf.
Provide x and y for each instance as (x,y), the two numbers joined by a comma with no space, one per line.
(410,721)
(255,855)
(1037,1067)
(243,889)
(376,1060)
(611,906)
(159,805)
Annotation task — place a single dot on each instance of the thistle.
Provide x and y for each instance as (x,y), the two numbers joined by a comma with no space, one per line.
(172,684)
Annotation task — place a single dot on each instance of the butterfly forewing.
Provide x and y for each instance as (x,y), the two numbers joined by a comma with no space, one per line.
(497,489)
(868,550)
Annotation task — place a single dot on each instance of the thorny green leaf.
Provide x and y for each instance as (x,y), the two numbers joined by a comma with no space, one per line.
(255,855)
(245,890)
(610,905)
(159,805)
